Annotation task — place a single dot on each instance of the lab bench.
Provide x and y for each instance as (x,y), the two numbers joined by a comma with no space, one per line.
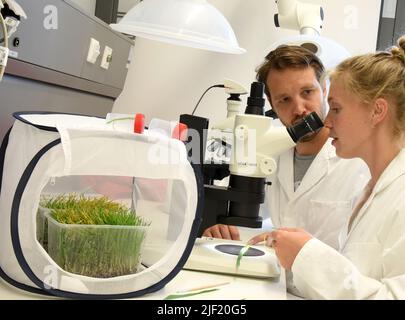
(232,288)
(229,286)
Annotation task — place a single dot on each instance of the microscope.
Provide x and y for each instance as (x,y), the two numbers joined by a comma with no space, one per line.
(256,142)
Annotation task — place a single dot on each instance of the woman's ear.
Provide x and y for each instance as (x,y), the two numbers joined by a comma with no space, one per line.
(380,111)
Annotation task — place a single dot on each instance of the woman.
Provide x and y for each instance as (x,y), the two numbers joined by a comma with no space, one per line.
(366,120)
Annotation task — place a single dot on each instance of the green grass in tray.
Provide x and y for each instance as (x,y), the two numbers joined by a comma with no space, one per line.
(94,236)
(78,209)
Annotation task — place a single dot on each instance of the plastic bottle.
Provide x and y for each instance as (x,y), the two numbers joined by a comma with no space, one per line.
(171,129)
(126,122)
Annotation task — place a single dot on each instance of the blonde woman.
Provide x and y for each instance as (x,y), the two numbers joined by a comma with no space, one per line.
(366,120)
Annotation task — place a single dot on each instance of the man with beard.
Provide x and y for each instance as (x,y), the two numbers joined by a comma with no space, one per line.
(313,188)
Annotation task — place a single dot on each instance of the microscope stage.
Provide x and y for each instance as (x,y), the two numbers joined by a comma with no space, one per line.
(220,256)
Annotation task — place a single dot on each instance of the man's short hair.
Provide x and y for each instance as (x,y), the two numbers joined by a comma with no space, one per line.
(288,57)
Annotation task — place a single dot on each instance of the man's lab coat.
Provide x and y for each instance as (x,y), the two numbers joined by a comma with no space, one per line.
(371,264)
(325,198)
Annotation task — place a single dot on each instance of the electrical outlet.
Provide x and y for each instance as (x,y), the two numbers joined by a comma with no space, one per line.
(94,51)
(107,57)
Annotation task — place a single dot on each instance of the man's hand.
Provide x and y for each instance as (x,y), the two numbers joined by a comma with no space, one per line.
(222,231)
(287,243)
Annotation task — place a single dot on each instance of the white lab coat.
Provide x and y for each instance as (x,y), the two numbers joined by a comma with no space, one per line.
(371,264)
(325,198)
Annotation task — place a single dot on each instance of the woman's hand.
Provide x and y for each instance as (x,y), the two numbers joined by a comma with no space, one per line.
(287,242)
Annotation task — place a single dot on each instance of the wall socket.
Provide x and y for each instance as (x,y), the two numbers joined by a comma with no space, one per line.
(94,51)
(107,57)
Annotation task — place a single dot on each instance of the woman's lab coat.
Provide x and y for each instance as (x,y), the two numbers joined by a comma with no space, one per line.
(371,264)
(325,197)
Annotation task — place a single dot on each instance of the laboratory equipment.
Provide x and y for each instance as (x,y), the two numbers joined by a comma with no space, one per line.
(67,163)
(307,19)
(256,141)
(218,148)
(47,67)
(255,144)
(220,256)
(171,129)
(126,122)
(234,89)
(297,15)
(10,15)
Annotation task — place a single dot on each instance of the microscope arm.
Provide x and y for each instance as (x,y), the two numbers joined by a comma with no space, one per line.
(220,200)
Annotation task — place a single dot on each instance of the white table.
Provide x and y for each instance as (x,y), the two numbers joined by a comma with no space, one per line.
(237,287)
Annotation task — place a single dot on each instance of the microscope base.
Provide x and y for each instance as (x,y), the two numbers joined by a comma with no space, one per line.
(207,257)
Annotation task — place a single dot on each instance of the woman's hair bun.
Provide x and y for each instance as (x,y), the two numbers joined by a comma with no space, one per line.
(399,51)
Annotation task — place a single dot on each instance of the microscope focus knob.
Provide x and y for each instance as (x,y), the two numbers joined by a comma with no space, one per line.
(268,166)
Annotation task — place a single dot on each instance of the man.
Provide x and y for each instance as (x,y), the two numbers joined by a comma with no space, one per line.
(312,189)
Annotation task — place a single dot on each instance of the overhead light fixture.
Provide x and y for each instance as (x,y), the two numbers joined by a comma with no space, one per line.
(192,23)
(307,19)
(296,15)
(330,52)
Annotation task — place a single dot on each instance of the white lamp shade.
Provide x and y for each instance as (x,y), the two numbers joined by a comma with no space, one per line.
(329,52)
(192,23)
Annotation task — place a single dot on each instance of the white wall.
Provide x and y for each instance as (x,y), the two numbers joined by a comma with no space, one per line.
(89,6)
(125,5)
(165,81)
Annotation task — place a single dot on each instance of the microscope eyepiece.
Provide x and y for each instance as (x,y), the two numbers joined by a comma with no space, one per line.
(308,125)
(255,102)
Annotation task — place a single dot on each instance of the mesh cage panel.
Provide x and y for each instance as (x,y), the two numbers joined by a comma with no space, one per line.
(95,212)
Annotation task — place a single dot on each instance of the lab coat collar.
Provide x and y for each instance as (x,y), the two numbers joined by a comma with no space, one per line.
(394,170)
(318,169)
